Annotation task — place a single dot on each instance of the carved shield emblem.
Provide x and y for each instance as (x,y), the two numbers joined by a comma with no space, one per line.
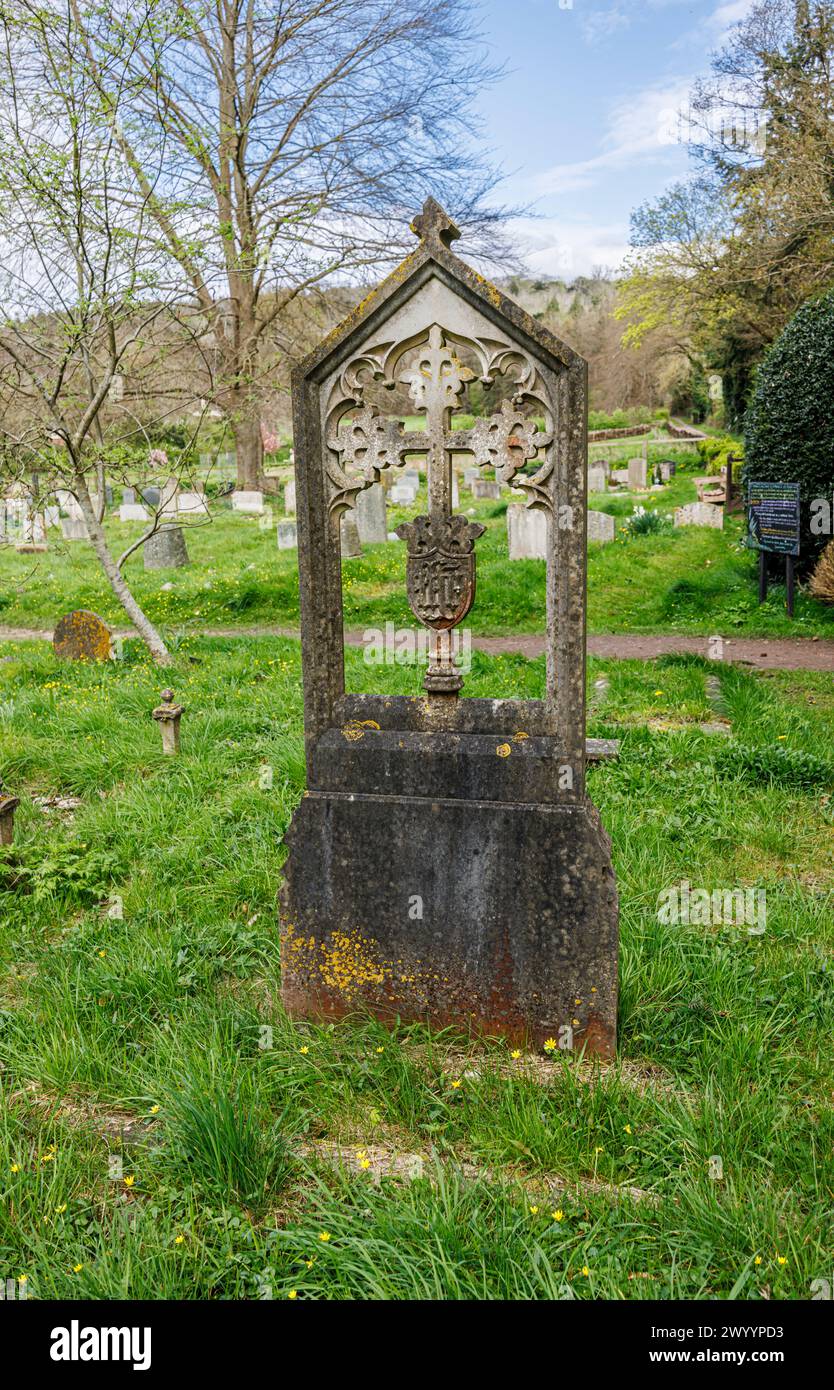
(440,568)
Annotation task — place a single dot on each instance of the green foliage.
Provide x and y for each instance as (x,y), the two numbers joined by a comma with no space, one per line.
(645,523)
(789,428)
(775,766)
(52,871)
(716,450)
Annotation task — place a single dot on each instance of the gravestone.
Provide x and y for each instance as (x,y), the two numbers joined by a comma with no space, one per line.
(74,528)
(370,515)
(350,543)
(287,535)
(193,502)
(132,511)
(168,497)
(484,490)
(289,498)
(620,475)
(82,636)
(700,514)
(402,495)
(248,502)
(128,496)
(597,480)
(526,533)
(637,473)
(151,496)
(470,476)
(446,863)
(165,549)
(600,527)
(667,469)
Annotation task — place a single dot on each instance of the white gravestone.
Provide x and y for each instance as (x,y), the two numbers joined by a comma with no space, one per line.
(289,498)
(287,535)
(370,515)
(700,514)
(597,480)
(526,533)
(600,527)
(483,490)
(132,511)
(252,502)
(637,473)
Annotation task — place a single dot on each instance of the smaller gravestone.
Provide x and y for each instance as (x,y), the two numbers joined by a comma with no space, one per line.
(597,480)
(402,495)
(600,527)
(700,514)
(411,476)
(666,470)
(251,502)
(287,535)
(485,491)
(168,497)
(619,475)
(526,533)
(128,496)
(132,511)
(370,515)
(349,531)
(193,502)
(289,498)
(165,549)
(74,528)
(151,496)
(168,716)
(637,473)
(82,636)
(470,476)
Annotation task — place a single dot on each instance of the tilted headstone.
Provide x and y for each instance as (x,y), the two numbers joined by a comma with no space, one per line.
(600,527)
(248,502)
(370,515)
(350,543)
(165,549)
(446,863)
(287,535)
(526,533)
(82,636)
(637,473)
(700,514)
(483,490)
(289,498)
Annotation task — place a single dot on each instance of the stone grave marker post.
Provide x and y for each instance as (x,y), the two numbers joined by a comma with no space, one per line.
(446,862)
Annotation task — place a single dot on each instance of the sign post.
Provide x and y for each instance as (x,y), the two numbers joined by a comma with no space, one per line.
(773,528)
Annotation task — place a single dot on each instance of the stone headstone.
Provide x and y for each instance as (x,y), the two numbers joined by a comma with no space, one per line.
(252,502)
(151,496)
(370,515)
(700,514)
(620,475)
(402,495)
(165,549)
(82,636)
(597,480)
(600,527)
(132,511)
(287,535)
(350,543)
(74,528)
(168,497)
(526,533)
(289,498)
(455,492)
(485,491)
(446,863)
(193,502)
(411,477)
(471,475)
(128,496)
(637,473)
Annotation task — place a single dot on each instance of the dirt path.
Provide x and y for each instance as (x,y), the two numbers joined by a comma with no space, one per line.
(767,653)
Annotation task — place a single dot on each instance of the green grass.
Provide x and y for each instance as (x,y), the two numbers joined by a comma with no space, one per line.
(690,580)
(151,1046)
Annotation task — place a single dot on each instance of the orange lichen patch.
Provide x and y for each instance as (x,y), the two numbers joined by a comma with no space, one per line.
(82,636)
(349,964)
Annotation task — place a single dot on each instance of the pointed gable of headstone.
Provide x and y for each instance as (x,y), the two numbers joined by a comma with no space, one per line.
(446,862)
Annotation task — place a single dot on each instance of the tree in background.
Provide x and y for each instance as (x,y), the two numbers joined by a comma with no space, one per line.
(287,141)
(728,257)
(84,301)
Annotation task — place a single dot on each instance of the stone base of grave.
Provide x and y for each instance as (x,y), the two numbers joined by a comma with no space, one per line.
(486,917)
(165,549)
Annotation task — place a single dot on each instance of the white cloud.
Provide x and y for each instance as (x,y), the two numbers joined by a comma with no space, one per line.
(562,250)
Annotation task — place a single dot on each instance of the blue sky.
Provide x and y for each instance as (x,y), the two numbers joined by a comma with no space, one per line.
(583,122)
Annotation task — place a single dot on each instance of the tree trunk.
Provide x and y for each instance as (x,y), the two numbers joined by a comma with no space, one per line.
(98,540)
(250,451)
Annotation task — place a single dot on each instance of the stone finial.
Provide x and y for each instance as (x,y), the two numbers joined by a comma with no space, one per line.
(169,715)
(433,224)
(8,806)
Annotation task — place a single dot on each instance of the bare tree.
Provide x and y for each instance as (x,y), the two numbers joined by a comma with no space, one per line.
(290,135)
(83,296)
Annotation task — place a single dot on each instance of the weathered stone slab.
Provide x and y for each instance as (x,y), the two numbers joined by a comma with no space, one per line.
(402,495)
(700,514)
(287,535)
(371,518)
(526,533)
(289,498)
(620,475)
(165,549)
(485,491)
(637,473)
(150,496)
(132,511)
(74,528)
(600,527)
(192,502)
(597,480)
(248,502)
(82,636)
(351,545)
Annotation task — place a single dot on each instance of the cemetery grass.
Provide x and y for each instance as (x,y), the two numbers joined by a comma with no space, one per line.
(165,1130)
(690,580)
